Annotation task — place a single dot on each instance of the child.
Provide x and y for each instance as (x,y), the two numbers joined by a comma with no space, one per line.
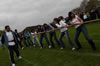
(28,39)
(34,37)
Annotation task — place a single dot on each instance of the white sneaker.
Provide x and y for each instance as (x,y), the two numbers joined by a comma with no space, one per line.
(73,48)
(22,48)
(34,45)
(61,48)
(19,57)
(13,64)
(50,46)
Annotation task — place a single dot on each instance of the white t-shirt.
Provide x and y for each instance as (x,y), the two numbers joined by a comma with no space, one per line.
(34,34)
(10,38)
(85,16)
(75,20)
(62,23)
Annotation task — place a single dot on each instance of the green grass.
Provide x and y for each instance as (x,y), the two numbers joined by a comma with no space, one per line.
(57,57)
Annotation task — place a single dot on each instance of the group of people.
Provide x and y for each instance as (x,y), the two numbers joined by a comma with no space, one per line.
(91,14)
(13,39)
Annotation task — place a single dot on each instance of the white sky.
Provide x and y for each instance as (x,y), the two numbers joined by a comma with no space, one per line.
(23,13)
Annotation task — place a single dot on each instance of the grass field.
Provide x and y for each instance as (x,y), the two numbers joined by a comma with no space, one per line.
(57,57)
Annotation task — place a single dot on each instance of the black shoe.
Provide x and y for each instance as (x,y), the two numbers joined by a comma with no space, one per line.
(79,48)
(94,49)
(53,46)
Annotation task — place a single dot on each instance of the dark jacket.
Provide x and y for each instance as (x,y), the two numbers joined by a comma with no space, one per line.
(4,38)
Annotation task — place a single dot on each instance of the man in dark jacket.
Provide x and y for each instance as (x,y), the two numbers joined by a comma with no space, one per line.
(9,38)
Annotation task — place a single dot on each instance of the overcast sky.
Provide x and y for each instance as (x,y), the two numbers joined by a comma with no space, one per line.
(22,13)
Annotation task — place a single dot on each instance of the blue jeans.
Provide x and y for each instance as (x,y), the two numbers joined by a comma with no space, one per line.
(41,39)
(29,41)
(36,38)
(68,38)
(24,41)
(83,29)
(53,34)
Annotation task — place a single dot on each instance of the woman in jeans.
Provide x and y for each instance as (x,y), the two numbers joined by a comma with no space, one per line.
(60,23)
(80,27)
(52,34)
(34,37)
(43,34)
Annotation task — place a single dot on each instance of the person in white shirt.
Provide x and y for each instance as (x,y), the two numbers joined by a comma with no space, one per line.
(10,40)
(34,37)
(80,27)
(60,23)
(85,16)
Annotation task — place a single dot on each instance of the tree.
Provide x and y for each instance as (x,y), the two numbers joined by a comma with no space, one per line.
(93,4)
(84,4)
(88,5)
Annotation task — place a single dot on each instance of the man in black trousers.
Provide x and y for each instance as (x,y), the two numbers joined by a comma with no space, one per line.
(9,38)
